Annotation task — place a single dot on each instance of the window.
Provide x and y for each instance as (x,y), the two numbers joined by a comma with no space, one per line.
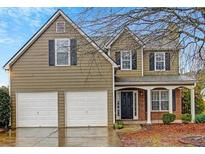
(160,100)
(60,27)
(159,61)
(135,104)
(126,60)
(118,105)
(62,52)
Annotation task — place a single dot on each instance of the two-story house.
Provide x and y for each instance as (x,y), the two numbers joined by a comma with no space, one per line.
(147,82)
(62,78)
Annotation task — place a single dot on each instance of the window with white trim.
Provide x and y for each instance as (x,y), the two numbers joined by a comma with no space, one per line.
(118,105)
(159,61)
(160,100)
(62,52)
(126,60)
(60,27)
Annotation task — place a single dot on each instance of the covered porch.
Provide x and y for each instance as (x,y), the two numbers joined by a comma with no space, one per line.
(146,99)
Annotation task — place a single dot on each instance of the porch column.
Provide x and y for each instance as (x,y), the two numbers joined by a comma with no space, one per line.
(192,105)
(170,101)
(148,106)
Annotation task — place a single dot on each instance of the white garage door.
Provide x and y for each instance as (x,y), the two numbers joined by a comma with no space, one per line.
(86,108)
(37,109)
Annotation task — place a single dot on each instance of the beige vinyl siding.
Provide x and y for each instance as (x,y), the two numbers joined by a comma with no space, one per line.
(126,42)
(32,73)
(174,63)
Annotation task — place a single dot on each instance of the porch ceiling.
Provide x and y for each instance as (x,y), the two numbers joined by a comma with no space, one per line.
(155,80)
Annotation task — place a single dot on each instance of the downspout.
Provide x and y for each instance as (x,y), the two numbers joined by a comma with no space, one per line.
(113,92)
(142,60)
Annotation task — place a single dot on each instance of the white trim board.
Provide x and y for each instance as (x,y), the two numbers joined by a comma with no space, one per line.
(142,60)
(113,93)
(37,35)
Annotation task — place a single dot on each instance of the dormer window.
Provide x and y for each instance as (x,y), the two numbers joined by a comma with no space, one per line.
(60,27)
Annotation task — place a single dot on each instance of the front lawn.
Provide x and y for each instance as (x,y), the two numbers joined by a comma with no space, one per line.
(165,135)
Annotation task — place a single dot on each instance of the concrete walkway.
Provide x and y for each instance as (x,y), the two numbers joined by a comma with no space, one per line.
(54,137)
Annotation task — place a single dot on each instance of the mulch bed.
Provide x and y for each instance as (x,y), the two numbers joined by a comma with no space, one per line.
(165,135)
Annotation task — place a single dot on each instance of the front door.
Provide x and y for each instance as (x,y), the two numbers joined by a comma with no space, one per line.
(127,105)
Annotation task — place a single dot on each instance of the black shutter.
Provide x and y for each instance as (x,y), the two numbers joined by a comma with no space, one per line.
(117,58)
(151,61)
(51,51)
(73,52)
(167,61)
(134,60)
(174,99)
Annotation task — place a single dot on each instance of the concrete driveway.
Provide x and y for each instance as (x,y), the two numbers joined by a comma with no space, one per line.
(54,137)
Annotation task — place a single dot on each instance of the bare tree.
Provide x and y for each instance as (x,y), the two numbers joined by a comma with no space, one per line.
(187,26)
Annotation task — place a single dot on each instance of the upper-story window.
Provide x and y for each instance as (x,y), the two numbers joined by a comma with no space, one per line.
(126,60)
(62,52)
(60,27)
(159,61)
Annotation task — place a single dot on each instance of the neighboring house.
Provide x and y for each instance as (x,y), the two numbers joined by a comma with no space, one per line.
(62,78)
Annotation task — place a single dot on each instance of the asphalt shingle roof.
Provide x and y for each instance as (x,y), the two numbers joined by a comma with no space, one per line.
(181,79)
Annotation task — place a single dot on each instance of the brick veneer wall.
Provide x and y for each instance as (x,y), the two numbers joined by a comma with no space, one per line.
(142,107)
(157,115)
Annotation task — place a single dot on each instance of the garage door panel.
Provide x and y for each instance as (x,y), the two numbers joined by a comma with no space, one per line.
(37,109)
(25,104)
(86,108)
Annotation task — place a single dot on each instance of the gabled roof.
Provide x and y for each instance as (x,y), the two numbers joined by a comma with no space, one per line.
(44,27)
(159,42)
(120,33)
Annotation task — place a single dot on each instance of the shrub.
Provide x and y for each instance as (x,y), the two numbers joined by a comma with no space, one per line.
(168,118)
(186,101)
(200,118)
(5,109)
(118,125)
(186,118)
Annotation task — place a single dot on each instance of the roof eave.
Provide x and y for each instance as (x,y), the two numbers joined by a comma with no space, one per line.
(157,83)
(161,48)
(89,39)
(185,82)
(6,67)
(35,36)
